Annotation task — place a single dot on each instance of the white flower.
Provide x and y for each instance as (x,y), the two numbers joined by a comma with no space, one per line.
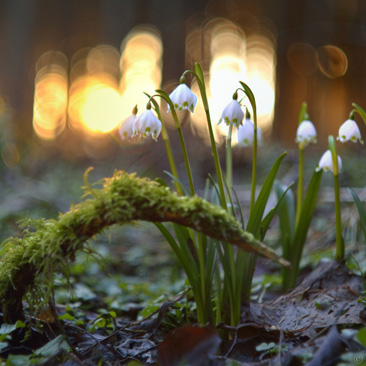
(147,124)
(306,134)
(183,98)
(349,131)
(246,133)
(326,162)
(232,114)
(126,127)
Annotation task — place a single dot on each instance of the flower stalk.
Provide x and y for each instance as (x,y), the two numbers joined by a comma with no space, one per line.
(201,84)
(339,239)
(168,147)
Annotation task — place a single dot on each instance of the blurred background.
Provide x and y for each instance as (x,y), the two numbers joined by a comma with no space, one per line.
(70,70)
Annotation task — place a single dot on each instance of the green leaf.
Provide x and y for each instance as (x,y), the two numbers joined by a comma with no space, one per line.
(199,73)
(239,208)
(250,96)
(361,211)
(178,182)
(7,328)
(53,348)
(20,324)
(18,360)
(255,218)
(360,111)
(303,224)
(201,83)
(286,214)
(283,195)
(361,336)
(302,112)
(187,262)
(266,346)
(66,316)
(166,97)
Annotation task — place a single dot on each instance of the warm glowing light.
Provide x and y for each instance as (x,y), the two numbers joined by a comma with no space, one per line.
(234,58)
(227,67)
(261,66)
(50,96)
(333,61)
(95,103)
(140,67)
(102,109)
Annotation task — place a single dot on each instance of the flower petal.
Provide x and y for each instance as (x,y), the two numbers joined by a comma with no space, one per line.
(349,131)
(326,162)
(232,114)
(246,133)
(183,98)
(306,134)
(126,127)
(147,124)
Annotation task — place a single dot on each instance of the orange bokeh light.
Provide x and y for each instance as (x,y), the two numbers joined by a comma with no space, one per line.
(50,96)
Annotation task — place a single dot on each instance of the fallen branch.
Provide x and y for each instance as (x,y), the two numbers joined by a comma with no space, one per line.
(32,259)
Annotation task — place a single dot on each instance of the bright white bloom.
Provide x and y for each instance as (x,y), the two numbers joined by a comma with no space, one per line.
(126,127)
(232,114)
(349,131)
(306,134)
(147,124)
(246,133)
(326,162)
(183,98)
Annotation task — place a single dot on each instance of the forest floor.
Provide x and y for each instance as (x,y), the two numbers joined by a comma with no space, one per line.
(131,304)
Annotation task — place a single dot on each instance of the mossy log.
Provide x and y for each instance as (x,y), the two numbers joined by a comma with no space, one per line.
(124,198)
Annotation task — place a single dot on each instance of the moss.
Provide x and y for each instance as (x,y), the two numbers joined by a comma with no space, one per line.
(28,261)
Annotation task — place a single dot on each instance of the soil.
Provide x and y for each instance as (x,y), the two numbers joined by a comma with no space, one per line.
(301,327)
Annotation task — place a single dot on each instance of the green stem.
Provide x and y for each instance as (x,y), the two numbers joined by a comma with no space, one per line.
(339,240)
(229,163)
(254,166)
(165,96)
(184,149)
(300,183)
(201,83)
(168,148)
(201,259)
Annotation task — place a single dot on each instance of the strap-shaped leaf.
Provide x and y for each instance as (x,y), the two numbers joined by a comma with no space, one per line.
(360,111)
(361,211)
(303,224)
(255,218)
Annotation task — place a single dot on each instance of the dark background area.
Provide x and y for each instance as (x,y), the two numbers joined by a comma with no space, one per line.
(28,28)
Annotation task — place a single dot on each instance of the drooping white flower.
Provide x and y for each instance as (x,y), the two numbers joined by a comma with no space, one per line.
(183,98)
(326,162)
(349,131)
(246,133)
(306,134)
(126,127)
(232,114)
(147,124)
